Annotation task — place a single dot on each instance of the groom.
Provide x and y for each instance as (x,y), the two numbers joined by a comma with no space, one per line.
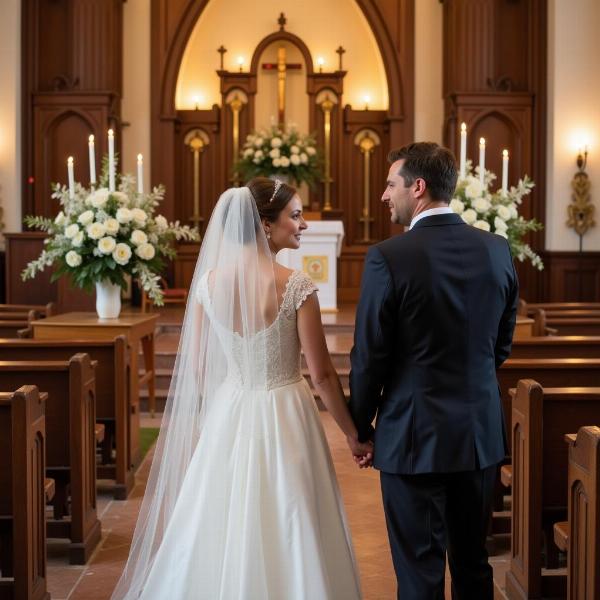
(435,320)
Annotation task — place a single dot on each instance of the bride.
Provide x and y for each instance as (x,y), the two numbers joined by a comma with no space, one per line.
(242,500)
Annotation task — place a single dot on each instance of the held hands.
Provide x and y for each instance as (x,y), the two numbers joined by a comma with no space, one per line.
(362,452)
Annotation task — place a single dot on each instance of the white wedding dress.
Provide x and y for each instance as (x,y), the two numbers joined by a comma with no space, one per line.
(259,515)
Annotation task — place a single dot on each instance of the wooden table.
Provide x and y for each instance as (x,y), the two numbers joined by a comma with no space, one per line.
(524,328)
(139,329)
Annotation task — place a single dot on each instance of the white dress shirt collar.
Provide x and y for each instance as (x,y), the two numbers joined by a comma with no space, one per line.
(442,210)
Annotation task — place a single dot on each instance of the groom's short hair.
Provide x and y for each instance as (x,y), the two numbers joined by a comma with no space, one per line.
(431,162)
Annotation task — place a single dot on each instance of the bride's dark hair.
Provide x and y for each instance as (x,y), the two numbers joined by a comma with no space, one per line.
(262,189)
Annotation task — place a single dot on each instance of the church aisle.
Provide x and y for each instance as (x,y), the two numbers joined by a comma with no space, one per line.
(360,490)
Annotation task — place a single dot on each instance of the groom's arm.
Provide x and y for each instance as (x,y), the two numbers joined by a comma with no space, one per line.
(373,339)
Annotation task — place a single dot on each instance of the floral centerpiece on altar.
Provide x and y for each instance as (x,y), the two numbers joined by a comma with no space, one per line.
(99,236)
(274,152)
(498,211)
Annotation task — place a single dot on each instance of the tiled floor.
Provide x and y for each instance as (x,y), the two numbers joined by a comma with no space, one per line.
(360,489)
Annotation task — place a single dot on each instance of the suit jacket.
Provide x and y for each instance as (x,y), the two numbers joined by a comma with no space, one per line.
(435,320)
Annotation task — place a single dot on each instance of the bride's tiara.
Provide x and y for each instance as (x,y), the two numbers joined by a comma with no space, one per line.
(275,189)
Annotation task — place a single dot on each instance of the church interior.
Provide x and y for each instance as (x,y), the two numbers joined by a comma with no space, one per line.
(176,101)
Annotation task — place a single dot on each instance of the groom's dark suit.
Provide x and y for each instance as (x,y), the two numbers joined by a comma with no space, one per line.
(435,319)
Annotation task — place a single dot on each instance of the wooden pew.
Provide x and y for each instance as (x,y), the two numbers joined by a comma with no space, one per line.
(540,416)
(112,398)
(583,545)
(554,346)
(21,311)
(550,372)
(10,327)
(22,495)
(559,306)
(71,445)
(589,325)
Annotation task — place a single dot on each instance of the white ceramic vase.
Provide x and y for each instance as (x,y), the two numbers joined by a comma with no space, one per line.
(108,299)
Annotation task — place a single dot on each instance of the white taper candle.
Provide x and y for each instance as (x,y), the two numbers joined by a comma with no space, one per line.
(463,150)
(111,161)
(92,160)
(140,174)
(71,176)
(504,171)
(482,161)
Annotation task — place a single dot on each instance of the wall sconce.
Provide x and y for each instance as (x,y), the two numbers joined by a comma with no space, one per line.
(320,63)
(581,209)
(366,99)
(240,62)
(196,99)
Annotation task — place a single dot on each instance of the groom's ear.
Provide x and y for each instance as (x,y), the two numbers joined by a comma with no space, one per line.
(420,187)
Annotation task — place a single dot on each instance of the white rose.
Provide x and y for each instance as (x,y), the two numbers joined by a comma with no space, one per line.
(161,222)
(78,239)
(99,198)
(457,206)
(139,216)
(124,215)
(294,149)
(275,153)
(310,151)
(502,233)
(474,189)
(513,210)
(276,162)
(484,225)
(106,245)
(248,152)
(73,258)
(71,230)
(121,254)
(145,251)
(138,237)
(85,218)
(275,142)
(469,216)
(285,161)
(295,159)
(96,230)
(503,212)
(112,226)
(304,158)
(499,224)
(120,197)
(259,154)
(60,218)
(481,205)
(258,142)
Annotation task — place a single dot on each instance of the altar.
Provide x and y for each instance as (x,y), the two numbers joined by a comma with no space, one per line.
(317,256)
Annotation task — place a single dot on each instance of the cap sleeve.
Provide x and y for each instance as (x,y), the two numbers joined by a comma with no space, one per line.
(303,288)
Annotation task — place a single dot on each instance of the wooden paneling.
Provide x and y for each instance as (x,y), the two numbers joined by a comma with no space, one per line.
(571,277)
(495,81)
(71,84)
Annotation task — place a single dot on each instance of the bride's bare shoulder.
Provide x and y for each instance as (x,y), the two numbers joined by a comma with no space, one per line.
(282,274)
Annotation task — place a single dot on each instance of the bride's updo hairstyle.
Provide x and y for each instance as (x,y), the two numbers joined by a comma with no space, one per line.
(269,206)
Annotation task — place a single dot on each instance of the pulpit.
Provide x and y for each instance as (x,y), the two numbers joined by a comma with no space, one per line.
(317,256)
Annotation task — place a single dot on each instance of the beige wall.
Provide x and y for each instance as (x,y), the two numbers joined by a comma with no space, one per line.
(429,104)
(136,86)
(323,26)
(573,114)
(10,114)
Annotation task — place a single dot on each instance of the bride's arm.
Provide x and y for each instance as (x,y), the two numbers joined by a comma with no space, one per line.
(323,375)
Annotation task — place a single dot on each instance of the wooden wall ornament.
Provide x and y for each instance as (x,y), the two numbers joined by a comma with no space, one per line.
(366,140)
(327,100)
(236,100)
(196,140)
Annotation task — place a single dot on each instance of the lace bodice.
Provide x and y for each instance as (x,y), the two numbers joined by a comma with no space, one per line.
(272,354)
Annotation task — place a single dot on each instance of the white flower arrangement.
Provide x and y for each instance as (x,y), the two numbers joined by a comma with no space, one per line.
(101,235)
(272,151)
(497,211)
